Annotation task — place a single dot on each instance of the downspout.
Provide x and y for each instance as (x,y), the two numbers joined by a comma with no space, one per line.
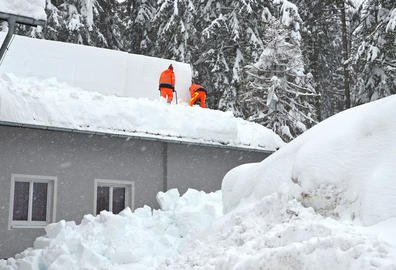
(164,166)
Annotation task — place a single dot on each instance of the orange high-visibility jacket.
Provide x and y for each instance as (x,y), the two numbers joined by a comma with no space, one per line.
(167,79)
(196,87)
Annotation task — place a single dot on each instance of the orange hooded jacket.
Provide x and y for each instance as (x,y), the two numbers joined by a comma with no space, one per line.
(167,84)
(167,79)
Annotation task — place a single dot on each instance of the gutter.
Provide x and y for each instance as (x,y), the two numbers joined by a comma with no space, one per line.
(140,136)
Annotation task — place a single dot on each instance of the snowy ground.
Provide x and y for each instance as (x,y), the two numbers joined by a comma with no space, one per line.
(324,201)
(29,8)
(51,103)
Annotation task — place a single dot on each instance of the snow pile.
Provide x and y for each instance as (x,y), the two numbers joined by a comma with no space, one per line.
(51,103)
(138,240)
(343,168)
(277,232)
(28,8)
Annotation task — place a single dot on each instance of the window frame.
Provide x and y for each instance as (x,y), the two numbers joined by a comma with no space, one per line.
(111,183)
(51,199)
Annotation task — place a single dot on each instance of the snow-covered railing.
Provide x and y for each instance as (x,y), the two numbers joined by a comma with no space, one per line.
(23,12)
(12,20)
(33,9)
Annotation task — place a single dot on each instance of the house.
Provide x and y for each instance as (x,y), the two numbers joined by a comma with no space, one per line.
(61,159)
(49,174)
(66,151)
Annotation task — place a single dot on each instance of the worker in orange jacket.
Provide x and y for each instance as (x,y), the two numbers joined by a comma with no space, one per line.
(167,84)
(198,92)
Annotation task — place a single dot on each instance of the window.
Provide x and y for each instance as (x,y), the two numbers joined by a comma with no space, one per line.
(32,201)
(113,195)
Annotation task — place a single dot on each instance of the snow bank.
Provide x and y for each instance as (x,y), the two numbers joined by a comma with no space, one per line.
(344,167)
(138,240)
(93,69)
(51,103)
(28,8)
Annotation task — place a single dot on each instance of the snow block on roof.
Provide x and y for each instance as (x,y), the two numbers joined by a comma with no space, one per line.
(93,69)
(29,8)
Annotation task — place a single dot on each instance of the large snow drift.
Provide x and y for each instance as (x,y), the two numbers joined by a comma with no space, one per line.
(343,167)
(28,8)
(93,69)
(51,103)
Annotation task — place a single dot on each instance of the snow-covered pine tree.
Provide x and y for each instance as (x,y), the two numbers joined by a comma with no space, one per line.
(106,28)
(137,19)
(231,38)
(322,49)
(375,51)
(174,29)
(276,91)
(212,66)
(89,22)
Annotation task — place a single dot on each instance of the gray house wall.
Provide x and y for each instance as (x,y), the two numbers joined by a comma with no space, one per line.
(77,159)
(203,168)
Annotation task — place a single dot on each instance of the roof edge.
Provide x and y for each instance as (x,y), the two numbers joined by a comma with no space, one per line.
(140,136)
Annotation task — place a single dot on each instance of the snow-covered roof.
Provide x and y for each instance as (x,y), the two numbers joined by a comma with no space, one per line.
(51,104)
(29,8)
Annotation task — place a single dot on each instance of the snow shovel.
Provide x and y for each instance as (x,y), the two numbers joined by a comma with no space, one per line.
(176,96)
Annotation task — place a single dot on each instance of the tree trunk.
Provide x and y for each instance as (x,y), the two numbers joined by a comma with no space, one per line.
(345,55)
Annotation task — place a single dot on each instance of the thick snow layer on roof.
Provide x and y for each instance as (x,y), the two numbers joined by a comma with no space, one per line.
(29,8)
(343,167)
(51,103)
